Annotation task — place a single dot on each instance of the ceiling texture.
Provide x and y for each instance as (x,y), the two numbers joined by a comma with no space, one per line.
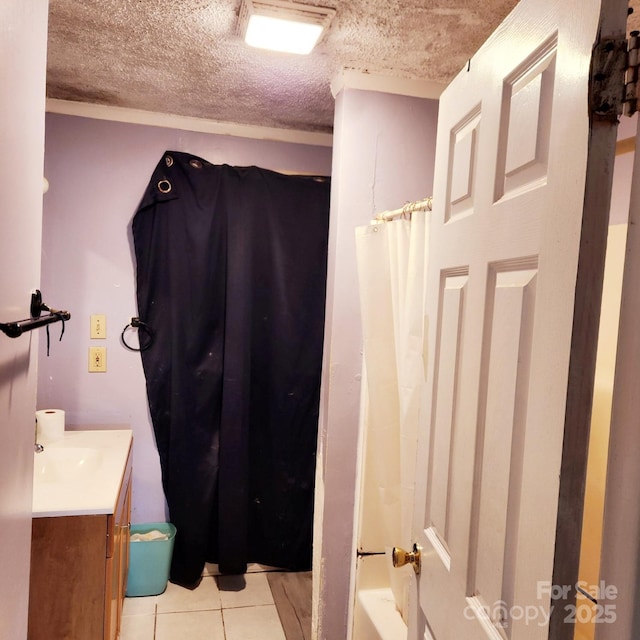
(183,57)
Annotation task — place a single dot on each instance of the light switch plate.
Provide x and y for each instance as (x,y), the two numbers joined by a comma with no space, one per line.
(98,326)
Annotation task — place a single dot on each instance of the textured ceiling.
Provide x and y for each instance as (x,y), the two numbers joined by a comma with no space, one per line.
(183,57)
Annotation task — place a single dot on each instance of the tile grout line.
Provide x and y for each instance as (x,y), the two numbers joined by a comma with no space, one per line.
(155,619)
(224,626)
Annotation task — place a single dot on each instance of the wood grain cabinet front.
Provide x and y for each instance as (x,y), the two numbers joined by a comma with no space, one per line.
(79,568)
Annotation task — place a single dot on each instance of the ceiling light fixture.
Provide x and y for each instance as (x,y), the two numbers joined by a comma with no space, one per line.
(281,25)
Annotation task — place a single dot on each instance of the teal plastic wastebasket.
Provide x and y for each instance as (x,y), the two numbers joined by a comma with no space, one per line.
(150,560)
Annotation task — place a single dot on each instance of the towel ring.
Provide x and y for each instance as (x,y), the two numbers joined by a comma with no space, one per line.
(143,327)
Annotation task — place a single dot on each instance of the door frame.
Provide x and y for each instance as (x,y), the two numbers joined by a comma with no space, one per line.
(620,556)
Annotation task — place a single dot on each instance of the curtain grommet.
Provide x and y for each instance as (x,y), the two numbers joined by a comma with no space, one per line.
(164,186)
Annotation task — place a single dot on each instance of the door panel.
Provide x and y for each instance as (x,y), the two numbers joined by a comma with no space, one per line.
(441,462)
(501,431)
(525,124)
(507,248)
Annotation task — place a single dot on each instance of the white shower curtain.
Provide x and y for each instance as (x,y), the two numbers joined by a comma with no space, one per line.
(392,260)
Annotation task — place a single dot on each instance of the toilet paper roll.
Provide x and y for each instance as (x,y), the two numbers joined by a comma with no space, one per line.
(49,425)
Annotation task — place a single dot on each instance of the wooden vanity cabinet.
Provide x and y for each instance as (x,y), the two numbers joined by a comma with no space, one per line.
(79,568)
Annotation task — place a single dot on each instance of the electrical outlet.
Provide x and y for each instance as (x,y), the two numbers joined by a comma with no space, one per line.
(98,326)
(97,359)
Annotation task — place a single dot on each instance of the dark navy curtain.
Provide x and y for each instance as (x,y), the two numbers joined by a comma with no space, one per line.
(231,275)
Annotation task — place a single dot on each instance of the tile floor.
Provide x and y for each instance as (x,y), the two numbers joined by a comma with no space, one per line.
(221,608)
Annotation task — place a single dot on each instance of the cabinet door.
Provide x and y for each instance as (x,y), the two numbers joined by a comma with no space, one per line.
(121,562)
(66,594)
(125,527)
(118,559)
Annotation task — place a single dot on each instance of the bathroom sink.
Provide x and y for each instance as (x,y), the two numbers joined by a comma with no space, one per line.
(65,465)
(80,474)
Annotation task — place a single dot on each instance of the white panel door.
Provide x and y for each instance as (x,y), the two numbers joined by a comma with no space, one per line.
(515,274)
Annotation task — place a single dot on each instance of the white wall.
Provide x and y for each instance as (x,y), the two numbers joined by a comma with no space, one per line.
(23,37)
(98,171)
(384,148)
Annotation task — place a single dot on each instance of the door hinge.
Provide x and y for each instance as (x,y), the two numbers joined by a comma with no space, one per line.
(630,103)
(615,81)
(607,89)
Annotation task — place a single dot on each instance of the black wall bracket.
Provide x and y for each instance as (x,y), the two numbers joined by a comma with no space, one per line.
(17,328)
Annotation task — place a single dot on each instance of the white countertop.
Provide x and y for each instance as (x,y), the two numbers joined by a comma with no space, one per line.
(81,473)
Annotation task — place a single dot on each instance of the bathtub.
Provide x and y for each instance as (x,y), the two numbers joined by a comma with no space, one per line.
(379,617)
(376,616)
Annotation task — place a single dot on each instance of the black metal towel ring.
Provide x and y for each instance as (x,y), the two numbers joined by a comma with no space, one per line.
(136,323)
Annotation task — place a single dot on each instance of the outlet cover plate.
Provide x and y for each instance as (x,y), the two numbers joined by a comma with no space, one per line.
(97,359)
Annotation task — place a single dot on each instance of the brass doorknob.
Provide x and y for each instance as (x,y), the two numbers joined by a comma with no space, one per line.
(400,557)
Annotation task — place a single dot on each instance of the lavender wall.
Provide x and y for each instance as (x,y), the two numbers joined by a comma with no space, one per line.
(98,171)
(23,39)
(384,148)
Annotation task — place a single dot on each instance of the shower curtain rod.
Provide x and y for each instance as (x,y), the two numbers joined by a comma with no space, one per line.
(408,209)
